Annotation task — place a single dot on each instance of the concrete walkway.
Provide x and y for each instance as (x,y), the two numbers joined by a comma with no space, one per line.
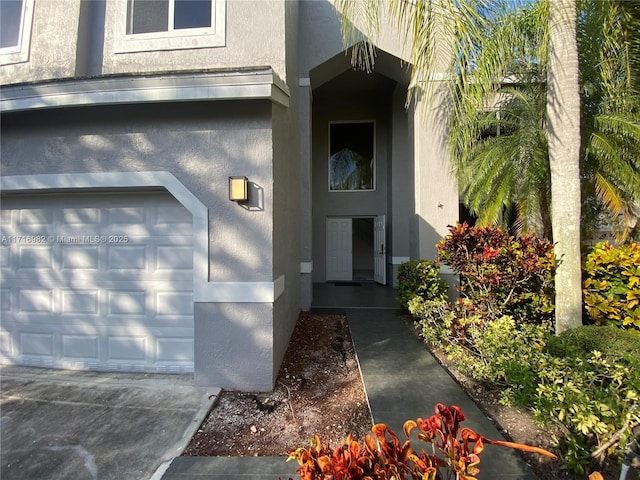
(402,381)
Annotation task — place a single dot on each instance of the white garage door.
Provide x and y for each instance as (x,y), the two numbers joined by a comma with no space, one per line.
(99,282)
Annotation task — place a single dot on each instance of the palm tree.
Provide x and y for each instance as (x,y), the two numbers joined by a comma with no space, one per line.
(465,24)
(500,64)
(498,142)
(611,111)
(563,136)
(503,172)
(610,121)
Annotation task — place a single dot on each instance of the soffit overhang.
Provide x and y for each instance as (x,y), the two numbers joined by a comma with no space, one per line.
(256,84)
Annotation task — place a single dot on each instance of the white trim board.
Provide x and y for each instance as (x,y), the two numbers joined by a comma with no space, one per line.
(204,291)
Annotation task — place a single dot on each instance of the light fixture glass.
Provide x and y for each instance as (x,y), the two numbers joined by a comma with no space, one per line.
(238,189)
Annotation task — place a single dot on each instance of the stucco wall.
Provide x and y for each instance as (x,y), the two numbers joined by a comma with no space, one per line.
(286,220)
(286,209)
(321,37)
(200,144)
(71,38)
(255,36)
(305,199)
(234,345)
(401,198)
(52,52)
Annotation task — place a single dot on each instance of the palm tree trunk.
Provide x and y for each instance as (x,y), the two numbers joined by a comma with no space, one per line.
(563,132)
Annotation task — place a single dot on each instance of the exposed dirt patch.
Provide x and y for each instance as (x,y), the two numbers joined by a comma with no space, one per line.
(319,391)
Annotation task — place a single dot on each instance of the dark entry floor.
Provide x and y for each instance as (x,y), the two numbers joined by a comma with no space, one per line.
(338,295)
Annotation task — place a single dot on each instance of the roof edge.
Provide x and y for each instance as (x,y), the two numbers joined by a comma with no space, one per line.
(257,84)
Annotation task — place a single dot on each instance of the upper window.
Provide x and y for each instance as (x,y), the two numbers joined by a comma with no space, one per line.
(147,25)
(351,156)
(147,16)
(15,30)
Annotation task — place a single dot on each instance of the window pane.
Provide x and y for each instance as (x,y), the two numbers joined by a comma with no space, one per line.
(351,148)
(146,16)
(10,18)
(192,14)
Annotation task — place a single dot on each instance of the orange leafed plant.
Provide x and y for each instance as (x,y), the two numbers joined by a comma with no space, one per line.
(383,456)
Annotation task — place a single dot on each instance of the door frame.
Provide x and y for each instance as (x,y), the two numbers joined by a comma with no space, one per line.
(380,249)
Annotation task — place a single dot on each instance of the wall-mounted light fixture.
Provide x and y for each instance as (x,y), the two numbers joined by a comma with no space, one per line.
(238,189)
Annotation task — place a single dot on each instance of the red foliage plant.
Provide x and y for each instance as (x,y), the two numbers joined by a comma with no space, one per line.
(501,275)
(383,457)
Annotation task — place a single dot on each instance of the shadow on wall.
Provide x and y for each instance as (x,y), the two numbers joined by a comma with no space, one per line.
(255,198)
(421,229)
(201,145)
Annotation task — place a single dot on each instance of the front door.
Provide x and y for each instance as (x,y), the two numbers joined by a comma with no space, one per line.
(339,250)
(379,250)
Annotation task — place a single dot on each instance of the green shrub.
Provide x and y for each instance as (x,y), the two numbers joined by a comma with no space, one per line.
(592,398)
(613,342)
(586,381)
(503,354)
(435,319)
(502,275)
(612,285)
(590,395)
(420,278)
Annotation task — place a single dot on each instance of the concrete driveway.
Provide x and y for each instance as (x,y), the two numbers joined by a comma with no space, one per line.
(60,424)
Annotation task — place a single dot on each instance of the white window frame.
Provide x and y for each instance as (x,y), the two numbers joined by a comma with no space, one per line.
(20,53)
(374,159)
(187,38)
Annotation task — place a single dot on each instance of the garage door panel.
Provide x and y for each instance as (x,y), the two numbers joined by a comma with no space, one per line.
(5,258)
(79,297)
(37,344)
(6,344)
(174,303)
(103,347)
(127,348)
(128,257)
(170,258)
(33,219)
(35,257)
(107,285)
(80,216)
(80,302)
(121,216)
(169,349)
(5,300)
(5,217)
(126,302)
(80,347)
(35,301)
(80,257)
